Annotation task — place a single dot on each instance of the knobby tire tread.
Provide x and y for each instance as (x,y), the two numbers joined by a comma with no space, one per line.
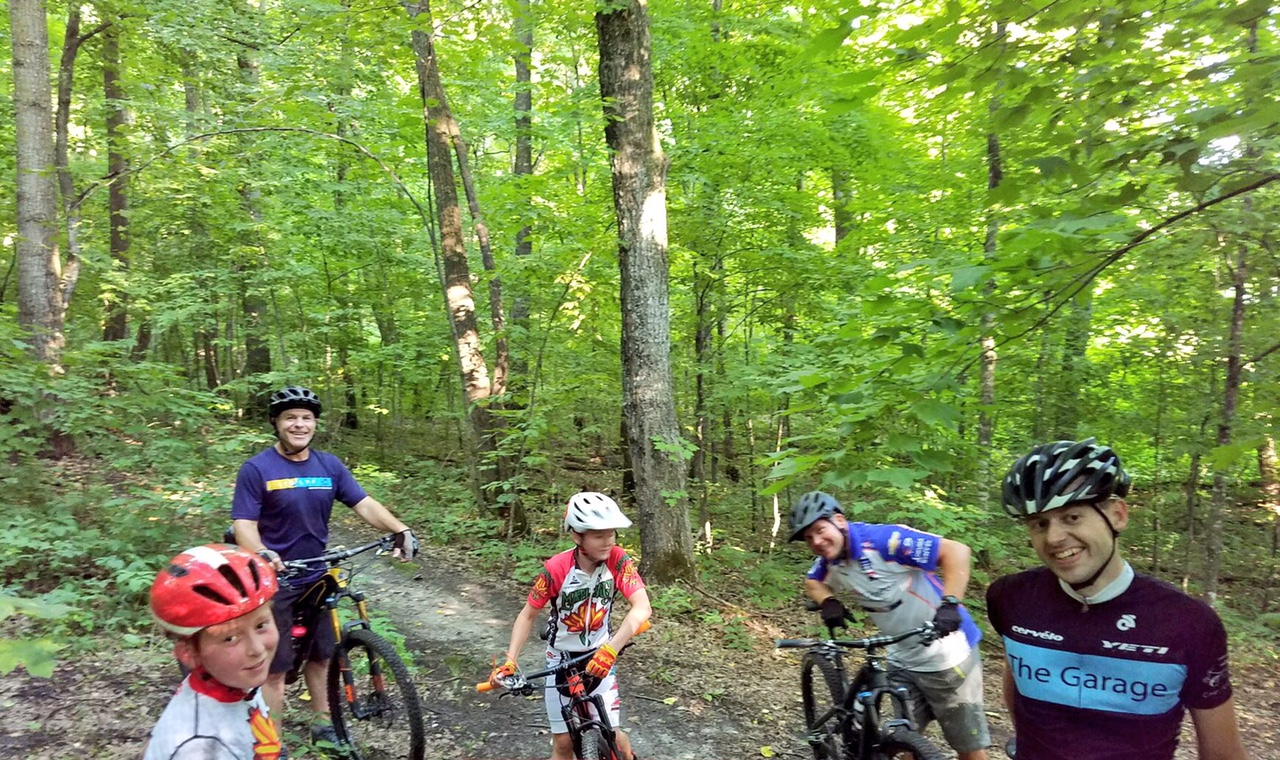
(361,645)
(909,745)
(815,699)
(592,745)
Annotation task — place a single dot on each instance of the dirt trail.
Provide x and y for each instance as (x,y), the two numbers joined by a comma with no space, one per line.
(454,625)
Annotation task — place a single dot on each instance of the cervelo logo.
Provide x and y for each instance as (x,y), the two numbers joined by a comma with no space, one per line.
(1046,635)
(1121,646)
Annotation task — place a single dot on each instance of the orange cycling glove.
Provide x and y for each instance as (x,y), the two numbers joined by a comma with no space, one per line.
(602,662)
(507,668)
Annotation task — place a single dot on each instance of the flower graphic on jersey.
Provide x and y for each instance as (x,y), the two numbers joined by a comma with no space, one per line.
(630,578)
(586,619)
(542,587)
(266,742)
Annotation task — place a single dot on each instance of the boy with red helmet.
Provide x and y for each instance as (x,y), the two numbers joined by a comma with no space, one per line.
(214,602)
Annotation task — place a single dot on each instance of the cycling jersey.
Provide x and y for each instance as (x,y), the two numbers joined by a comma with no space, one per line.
(1108,680)
(206,720)
(583,600)
(292,501)
(888,570)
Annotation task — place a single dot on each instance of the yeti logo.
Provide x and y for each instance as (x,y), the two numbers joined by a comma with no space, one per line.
(1127,623)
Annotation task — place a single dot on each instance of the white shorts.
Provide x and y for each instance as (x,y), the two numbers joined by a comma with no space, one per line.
(608,690)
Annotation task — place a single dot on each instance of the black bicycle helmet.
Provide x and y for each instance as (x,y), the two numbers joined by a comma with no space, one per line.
(809,509)
(1064,472)
(293,397)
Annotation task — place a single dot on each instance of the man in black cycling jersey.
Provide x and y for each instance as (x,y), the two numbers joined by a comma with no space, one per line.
(281,508)
(1100,661)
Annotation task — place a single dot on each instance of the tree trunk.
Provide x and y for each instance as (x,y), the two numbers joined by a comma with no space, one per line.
(41,308)
(987,369)
(1066,394)
(1230,393)
(639,198)
(457,276)
(116,300)
(841,182)
(522,169)
(1267,473)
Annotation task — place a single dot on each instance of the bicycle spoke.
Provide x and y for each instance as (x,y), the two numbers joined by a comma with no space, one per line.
(375,707)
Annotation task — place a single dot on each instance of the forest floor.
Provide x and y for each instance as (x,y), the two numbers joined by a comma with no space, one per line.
(685,696)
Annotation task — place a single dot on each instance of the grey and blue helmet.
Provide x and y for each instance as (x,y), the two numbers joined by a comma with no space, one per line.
(809,509)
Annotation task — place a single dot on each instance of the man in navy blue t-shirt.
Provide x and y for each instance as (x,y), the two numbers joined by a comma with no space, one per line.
(283,500)
(1101,662)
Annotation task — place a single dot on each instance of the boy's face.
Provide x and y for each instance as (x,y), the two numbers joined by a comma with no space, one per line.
(296,427)
(238,652)
(596,544)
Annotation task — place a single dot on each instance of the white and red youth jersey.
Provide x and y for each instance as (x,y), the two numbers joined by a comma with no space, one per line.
(583,600)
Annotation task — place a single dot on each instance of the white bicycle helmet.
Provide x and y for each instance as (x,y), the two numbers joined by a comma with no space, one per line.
(593,511)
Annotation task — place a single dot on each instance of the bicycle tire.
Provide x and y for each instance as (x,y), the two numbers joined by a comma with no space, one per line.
(380,718)
(593,746)
(908,745)
(831,745)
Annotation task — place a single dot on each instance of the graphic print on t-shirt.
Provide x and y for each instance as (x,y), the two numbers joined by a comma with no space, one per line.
(311,484)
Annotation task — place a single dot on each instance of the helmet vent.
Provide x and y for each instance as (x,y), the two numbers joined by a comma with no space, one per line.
(233,578)
(211,595)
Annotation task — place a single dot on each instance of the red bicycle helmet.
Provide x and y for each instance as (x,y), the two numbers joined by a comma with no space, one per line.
(208,585)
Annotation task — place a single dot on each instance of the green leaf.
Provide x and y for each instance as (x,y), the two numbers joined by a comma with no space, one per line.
(898,477)
(966,277)
(936,413)
(36,656)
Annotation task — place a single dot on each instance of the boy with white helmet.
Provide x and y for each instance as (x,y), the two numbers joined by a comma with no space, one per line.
(581,585)
(214,602)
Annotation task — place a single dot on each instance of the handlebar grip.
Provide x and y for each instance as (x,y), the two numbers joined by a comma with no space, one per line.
(485,686)
(646,625)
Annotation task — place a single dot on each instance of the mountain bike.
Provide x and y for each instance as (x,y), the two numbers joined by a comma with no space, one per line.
(376,711)
(584,714)
(855,724)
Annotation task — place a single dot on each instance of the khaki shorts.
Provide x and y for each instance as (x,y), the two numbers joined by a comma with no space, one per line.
(953,697)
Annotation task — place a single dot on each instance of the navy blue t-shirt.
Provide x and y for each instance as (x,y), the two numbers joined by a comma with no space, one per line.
(292,501)
(1112,680)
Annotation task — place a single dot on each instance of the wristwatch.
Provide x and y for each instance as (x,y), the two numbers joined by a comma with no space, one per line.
(949,599)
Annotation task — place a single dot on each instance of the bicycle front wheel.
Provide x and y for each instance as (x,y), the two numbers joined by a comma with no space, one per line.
(593,746)
(908,745)
(375,707)
(821,690)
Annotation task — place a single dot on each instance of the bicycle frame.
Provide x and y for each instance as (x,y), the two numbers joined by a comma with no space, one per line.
(327,592)
(868,689)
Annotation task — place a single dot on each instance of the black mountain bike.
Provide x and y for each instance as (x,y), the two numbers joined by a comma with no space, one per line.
(374,705)
(584,714)
(868,719)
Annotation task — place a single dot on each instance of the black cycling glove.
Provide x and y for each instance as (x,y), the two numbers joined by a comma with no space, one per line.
(947,619)
(407,543)
(833,613)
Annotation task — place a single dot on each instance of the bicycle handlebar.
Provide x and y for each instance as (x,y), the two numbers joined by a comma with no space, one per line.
(871,642)
(332,558)
(517,681)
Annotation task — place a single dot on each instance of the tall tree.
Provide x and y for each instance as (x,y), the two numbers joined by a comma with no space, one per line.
(116,325)
(457,274)
(41,304)
(639,200)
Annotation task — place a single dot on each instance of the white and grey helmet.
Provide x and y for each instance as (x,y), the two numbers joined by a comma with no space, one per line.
(1064,472)
(593,511)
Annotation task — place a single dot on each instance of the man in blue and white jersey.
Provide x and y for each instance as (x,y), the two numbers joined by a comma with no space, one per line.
(1101,662)
(891,572)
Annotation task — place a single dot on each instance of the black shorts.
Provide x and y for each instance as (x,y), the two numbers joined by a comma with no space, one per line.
(318,642)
